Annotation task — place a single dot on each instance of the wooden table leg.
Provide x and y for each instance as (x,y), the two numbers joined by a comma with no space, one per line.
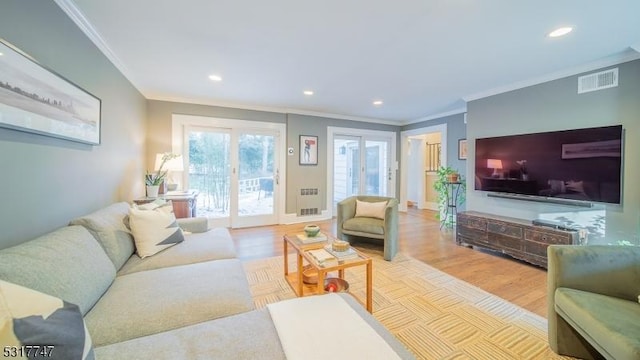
(286,258)
(321,276)
(369,286)
(300,275)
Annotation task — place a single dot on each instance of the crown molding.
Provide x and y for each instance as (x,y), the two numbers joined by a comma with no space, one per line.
(461,110)
(72,10)
(274,109)
(608,61)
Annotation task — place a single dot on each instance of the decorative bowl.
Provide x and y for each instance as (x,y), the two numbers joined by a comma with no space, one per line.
(312,230)
(335,285)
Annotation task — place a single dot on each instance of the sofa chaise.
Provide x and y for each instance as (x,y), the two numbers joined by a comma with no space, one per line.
(189,301)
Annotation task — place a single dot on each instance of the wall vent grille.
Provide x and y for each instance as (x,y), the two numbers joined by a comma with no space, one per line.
(308,202)
(598,81)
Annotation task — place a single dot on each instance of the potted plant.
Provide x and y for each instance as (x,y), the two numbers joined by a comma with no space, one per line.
(153,180)
(446,177)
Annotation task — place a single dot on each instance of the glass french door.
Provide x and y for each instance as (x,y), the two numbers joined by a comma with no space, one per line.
(236,173)
(361,166)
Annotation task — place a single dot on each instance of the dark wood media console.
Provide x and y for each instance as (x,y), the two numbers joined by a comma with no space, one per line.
(514,237)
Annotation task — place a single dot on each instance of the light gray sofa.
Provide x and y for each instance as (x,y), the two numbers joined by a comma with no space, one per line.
(190,301)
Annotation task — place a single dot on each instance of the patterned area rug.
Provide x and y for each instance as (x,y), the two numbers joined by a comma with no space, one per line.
(435,315)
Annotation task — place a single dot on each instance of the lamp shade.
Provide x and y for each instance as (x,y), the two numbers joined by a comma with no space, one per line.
(494,164)
(174,164)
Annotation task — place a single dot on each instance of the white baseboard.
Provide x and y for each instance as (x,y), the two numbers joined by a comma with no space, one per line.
(295,219)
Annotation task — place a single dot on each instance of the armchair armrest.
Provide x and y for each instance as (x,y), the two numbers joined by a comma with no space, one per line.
(604,269)
(346,210)
(391,215)
(194,225)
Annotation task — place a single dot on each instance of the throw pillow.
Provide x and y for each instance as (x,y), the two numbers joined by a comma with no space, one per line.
(37,325)
(557,186)
(154,228)
(370,209)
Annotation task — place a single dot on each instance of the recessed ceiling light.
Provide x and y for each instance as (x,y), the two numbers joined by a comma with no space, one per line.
(308,92)
(1,54)
(215,77)
(560,31)
(377,102)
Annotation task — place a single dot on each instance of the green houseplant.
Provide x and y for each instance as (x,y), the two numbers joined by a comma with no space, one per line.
(445,175)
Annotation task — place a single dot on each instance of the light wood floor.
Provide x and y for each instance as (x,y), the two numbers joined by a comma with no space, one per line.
(421,238)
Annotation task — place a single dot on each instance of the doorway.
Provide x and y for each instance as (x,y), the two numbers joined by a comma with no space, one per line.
(417,172)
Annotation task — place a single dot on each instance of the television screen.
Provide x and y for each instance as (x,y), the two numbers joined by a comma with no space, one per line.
(580,164)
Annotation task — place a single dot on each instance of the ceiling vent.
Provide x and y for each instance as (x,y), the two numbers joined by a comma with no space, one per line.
(598,81)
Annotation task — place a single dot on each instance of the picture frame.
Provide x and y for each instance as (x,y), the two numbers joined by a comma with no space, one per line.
(462,149)
(308,150)
(37,100)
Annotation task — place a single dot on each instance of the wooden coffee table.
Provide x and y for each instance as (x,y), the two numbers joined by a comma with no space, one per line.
(294,279)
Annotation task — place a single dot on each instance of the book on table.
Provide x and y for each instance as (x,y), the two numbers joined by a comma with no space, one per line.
(323,257)
(348,254)
(311,239)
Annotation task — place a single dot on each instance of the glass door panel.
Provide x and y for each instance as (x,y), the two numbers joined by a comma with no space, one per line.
(376,167)
(209,171)
(256,174)
(346,167)
(357,172)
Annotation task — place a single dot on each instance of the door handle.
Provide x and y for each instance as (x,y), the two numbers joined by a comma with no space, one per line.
(277,176)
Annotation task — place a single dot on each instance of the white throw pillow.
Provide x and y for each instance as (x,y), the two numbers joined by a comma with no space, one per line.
(154,228)
(370,209)
(49,327)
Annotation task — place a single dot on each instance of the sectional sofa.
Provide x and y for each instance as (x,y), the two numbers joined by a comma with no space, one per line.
(189,301)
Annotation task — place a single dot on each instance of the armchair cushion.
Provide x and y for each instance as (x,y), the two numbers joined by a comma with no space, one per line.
(370,209)
(365,225)
(608,323)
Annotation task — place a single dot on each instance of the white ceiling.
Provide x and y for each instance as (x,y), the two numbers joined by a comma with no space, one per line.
(423,58)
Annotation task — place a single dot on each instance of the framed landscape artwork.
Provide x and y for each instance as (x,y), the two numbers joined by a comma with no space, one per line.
(308,150)
(37,100)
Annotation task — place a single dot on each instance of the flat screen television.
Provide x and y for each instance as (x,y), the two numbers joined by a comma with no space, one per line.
(581,165)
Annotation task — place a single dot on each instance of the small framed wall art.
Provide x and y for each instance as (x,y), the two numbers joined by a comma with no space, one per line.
(462,149)
(308,150)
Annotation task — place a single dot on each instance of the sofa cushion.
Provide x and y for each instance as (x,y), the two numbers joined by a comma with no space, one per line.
(107,225)
(198,247)
(609,324)
(370,209)
(149,302)
(250,335)
(53,327)
(67,263)
(154,228)
(366,226)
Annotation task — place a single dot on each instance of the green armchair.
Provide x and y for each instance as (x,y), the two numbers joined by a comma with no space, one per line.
(592,300)
(385,229)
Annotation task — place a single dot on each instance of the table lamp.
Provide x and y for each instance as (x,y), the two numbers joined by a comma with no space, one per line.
(496,165)
(174,165)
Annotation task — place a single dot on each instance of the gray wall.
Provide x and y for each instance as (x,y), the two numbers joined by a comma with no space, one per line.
(555,105)
(46,181)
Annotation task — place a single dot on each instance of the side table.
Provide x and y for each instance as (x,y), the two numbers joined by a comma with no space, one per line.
(184,202)
(295,279)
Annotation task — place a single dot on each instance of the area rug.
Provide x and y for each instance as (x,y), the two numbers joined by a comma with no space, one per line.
(435,315)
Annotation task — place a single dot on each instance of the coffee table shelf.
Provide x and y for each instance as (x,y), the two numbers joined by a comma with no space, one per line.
(294,279)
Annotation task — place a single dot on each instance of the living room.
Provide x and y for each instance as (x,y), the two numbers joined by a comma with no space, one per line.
(50,181)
